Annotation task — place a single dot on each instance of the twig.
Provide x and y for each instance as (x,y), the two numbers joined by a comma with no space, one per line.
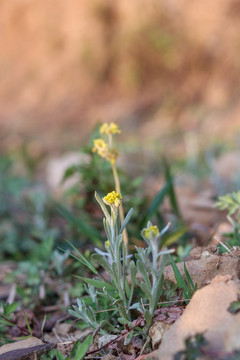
(25,331)
(118,337)
(160,303)
(56,335)
(96,331)
(145,344)
(224,245)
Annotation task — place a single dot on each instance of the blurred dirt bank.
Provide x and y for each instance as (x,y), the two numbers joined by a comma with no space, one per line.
(153,65)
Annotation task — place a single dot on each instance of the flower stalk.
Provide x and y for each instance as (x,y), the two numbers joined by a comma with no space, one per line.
(107,151)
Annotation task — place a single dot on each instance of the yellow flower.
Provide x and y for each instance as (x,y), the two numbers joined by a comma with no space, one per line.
(107,243)
(100,147)
(112,198)
(153,229)
(111,128)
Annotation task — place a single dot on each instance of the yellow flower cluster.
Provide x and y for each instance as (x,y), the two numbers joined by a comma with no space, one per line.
(102,148)
(111,128)
(107,244)
(151,230)
(112,198)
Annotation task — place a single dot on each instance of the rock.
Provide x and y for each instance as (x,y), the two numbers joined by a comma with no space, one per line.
(201,252)
(105,339)
(28,349)
(206,313)
(32,341)
(231,337)
(153,356)
(56,168)
(206,267)
(156,333)
(65,347)
(196,207)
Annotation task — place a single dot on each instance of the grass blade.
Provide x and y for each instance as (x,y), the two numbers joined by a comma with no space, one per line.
(81,224)
(178,276)
(171,190)
(82,259)
(157,201)
(82,349)
(171,238)
(27,322)
(126,220)
(103,207)
(100,284)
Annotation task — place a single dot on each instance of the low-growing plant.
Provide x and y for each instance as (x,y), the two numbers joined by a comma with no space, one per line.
(120,286)
(194,346)
(35,277)
(231,203)
(98,173)
(151,269)
(6,320)
(78,351)
(188,287)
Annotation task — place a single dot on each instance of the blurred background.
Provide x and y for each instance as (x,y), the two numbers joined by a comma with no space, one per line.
(167,72)
(160,68)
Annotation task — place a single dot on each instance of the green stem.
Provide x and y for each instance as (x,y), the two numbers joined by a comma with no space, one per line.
(118,189)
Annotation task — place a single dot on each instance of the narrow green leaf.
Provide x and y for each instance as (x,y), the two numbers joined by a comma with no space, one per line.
(189,280)
(127,288)
(178,276)
(27,322)
(135,306)
(157,291)
(70,171)
(43,324)
(105,324)
(82,348)
(171,191)
(103,207)
(147,317)
(142,269)
(8,309)
(157,201)
(86,229)
(116,276)
(55,354)
(126,220)
(144,288)
(133,272)
(169,239)
(97,283)
(82,259)
(123,321)
(5,321)
(99,259)
(60,356)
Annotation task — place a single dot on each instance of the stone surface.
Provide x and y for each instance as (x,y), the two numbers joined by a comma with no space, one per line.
(56,167)
(28,349)
(232,338)
(205,268)
(206,312)
(32,341)
(156,333)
